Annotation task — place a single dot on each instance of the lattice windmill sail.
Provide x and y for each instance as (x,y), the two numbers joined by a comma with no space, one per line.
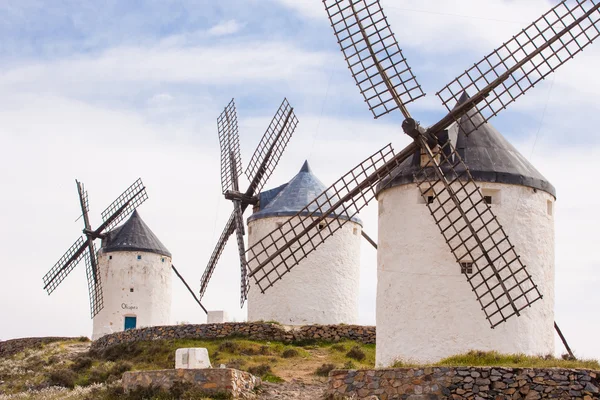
(500,281)
(261,166)
(84,247)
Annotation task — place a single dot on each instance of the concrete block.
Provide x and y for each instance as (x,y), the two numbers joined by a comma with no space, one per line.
(217,317)
(192,358)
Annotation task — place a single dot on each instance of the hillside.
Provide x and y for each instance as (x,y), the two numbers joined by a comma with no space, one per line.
(67,369)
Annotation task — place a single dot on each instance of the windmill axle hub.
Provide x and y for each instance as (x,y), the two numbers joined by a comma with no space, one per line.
(245,199)
(414,130)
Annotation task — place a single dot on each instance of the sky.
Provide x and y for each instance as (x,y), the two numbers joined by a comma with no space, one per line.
(106,93)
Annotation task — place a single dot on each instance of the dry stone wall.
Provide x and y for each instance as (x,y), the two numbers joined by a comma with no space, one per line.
(14,346)
(251,330)
(476,383)
(223,382)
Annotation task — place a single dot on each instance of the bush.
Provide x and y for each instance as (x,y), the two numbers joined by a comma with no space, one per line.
(229,347)
(324,369)
(260,370)
(83,339)
(349,365)
(62,377)
(81,363)
(290,353)
(236,363)
(356,353)
(339,347)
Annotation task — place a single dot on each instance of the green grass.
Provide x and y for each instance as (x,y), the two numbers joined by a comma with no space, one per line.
(495,359)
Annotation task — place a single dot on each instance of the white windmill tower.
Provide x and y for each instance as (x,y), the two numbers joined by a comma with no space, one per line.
(135,268)
(438,317)
(501,284)
(324,289)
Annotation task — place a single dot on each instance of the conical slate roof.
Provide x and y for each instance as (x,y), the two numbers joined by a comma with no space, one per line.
(487,154)
(292,197)
(134,235)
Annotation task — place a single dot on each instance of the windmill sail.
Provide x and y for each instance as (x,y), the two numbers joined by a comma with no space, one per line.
(216,254)
(500,280)
(124,205)
(64,265)
(229,141)
(518,65)
(378,66)
(94,282)
(271,147)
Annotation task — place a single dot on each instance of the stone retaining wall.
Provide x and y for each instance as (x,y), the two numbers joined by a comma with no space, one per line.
(14,346)
(211,381)
(251,330)
(476,383)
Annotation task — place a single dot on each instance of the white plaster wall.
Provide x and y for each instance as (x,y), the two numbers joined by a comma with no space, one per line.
(425,307)
(321,289)
(150,301)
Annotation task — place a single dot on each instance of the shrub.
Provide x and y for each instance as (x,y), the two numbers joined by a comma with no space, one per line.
(236,363)
(356,353)
(289,353)
(260,370)
(229,347)
(324,369)
(339,347)
(83,339)
(62,377)
(349,365)
(264,350)
(81,363)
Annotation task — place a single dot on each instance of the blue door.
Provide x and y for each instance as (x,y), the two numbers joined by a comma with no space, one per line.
(130,323)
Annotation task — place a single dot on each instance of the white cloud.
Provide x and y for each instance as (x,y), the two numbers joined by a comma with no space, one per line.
(225,28)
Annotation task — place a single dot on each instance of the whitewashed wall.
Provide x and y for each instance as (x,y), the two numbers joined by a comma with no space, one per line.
(150,300)
(425,307)
(322,289)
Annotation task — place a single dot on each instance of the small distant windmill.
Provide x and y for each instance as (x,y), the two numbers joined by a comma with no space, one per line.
(84,247)
(261,166)
(500,281)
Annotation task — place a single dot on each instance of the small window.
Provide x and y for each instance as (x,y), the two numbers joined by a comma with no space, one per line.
(110,257)
(249,230)
(355,231)
(130,290)
(322,226)
(429,199)
(139,257)
(549,207)
(466,267)
(162,259)
(491,196)
(279,224)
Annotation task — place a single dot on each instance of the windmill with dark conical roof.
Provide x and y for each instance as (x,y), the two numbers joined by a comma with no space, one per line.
(135,268)
(466,174)
(129,279)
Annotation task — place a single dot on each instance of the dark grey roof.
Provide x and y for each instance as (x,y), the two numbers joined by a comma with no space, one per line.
(290,198)
(487,154)
(134,235)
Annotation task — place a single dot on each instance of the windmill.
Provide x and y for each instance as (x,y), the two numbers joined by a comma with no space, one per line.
(84,247)
(500,281)
(261,166)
